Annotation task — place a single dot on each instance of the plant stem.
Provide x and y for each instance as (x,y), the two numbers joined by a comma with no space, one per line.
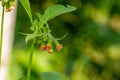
(2,25)
(30,61)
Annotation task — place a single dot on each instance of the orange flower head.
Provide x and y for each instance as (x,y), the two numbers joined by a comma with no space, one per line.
(42,48)
(48,47)
(59,47)
(49,44)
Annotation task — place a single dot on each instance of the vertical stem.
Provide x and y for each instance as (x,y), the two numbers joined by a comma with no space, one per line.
(2,25)
(30,61)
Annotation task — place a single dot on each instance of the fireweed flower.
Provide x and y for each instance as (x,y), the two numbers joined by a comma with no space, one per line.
(49,45)
(59,47)
(43,46)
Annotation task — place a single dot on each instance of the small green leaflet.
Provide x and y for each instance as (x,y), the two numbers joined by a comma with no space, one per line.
(51,76)
(26,5)
(55,10)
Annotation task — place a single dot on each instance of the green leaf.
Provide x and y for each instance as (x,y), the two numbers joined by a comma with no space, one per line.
(57,10)
(26,5)
(32,36)
(51,76)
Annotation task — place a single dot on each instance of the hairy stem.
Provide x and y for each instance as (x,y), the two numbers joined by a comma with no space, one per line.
(2,25)
(30,61)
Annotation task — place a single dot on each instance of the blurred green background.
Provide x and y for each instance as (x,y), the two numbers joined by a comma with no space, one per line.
(91,48)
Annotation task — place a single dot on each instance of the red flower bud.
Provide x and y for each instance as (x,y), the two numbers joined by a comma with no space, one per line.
(42,47)
(48,47)
(59,47)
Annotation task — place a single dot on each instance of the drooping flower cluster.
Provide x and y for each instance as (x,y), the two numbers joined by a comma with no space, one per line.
(47,45)
(9,5)
(43,37)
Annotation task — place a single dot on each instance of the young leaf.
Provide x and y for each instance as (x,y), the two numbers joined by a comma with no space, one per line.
(51,76)
(26,5)
(57,10)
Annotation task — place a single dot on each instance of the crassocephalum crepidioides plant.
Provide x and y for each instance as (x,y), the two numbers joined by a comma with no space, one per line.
(41,33)
(7,6)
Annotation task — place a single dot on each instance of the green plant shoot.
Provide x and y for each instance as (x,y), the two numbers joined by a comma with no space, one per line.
(41,33)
